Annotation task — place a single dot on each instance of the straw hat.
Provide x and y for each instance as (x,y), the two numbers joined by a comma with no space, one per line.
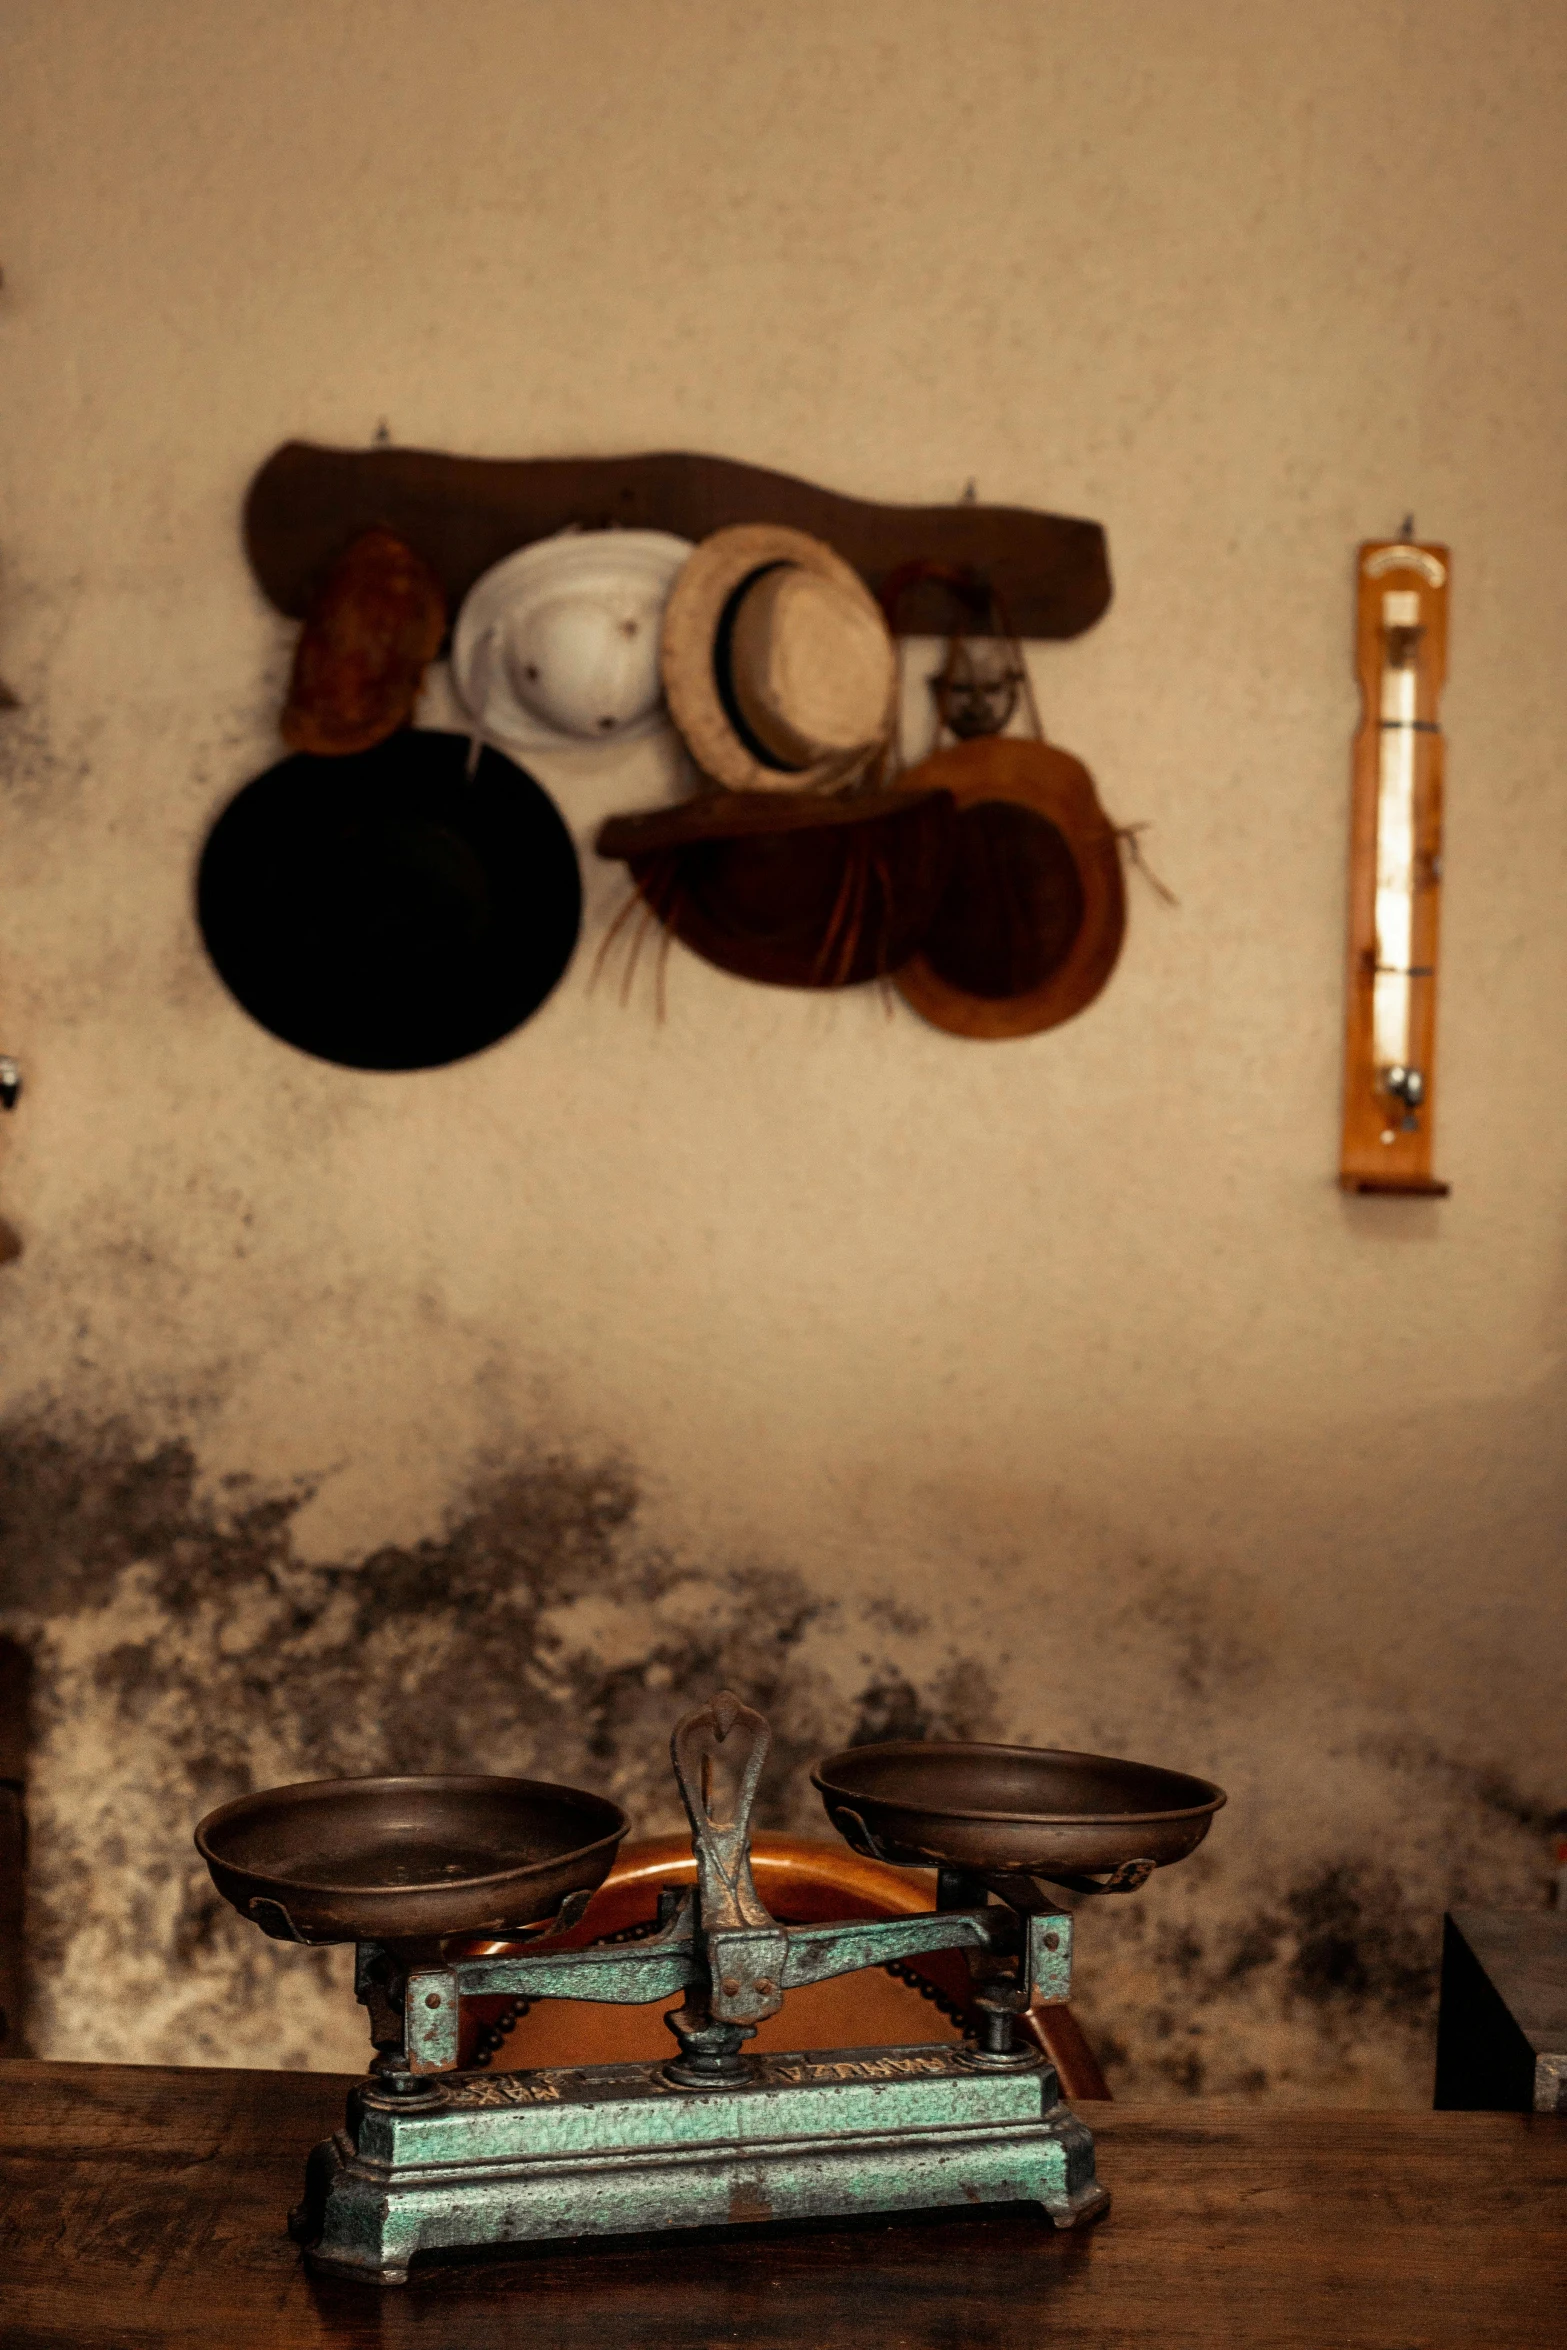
(792,888)
(1032,918)
(779,668)
(558,644)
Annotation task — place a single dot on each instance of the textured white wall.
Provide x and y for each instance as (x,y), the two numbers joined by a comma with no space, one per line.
(1066,1355)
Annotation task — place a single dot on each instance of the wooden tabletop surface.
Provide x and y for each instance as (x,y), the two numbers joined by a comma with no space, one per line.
(145,2206)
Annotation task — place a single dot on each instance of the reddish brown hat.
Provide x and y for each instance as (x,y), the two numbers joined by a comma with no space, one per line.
(788,887)
(373,629)
(1030,923)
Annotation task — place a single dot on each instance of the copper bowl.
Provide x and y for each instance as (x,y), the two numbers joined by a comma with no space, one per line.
(358,1860)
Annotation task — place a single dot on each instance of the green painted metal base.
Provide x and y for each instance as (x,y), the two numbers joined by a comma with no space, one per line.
(487,2159)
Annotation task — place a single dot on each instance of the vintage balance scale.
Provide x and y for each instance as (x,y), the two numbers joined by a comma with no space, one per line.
(435,2160)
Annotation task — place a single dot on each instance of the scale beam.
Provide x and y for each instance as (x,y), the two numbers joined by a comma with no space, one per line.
(678,1961)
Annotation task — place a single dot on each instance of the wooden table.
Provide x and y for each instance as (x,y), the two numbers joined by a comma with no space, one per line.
(143,2206)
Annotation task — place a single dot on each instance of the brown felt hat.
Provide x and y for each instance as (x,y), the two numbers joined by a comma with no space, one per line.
(779,669)
(792,888)
(1030,923)
(374,627)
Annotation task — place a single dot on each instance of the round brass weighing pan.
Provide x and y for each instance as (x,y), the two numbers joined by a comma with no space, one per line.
(1035,1811)
(357,1860)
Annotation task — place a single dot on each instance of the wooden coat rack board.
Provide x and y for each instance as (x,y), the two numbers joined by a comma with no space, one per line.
(464,513)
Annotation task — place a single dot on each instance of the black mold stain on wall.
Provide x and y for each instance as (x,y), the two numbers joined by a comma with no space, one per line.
(961,1703)
(1343,1950)
(182,1644)
(185,1653)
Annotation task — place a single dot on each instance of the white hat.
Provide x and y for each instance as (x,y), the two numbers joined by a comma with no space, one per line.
(558,644)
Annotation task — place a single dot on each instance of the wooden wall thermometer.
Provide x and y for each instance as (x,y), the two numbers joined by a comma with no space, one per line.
(1395,869)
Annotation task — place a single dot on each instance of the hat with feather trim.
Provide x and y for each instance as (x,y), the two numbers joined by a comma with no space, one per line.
(792,888)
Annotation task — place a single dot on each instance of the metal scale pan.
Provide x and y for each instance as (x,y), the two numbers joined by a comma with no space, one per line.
(1087,1821)
(358,1860)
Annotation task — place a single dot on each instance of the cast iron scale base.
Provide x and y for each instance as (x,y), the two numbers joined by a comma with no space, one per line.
(435,2160)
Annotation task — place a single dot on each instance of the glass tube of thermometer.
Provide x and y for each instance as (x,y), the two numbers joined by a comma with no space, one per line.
(1395,870)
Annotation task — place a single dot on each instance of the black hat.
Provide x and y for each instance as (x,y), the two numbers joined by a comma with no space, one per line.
(390,910)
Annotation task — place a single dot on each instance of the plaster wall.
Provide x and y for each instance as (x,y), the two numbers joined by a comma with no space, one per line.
(1046,1389)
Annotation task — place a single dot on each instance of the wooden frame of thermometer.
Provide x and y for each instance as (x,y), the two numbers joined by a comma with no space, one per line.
(1395,870)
